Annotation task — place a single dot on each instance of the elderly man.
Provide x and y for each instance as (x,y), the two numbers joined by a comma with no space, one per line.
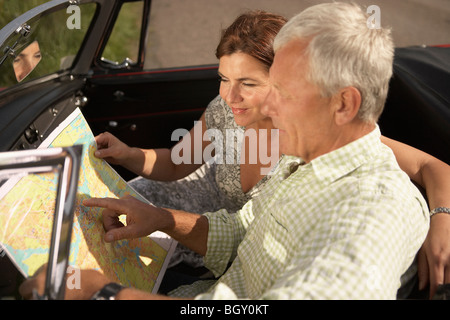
(339,219)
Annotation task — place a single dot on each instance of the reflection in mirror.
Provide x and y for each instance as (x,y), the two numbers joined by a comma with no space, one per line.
(26,61)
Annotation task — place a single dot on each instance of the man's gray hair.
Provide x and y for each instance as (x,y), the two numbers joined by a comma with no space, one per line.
(343,51)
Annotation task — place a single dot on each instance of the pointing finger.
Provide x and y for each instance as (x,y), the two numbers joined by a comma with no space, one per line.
(107,203)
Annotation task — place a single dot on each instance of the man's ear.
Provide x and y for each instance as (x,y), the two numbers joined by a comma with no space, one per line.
(348,102)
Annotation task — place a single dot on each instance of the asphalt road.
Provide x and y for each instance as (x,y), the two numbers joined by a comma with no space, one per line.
(186,32)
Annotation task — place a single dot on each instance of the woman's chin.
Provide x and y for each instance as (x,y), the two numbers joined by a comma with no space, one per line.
(241,121)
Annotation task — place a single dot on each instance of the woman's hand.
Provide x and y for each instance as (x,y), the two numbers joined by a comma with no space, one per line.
(111,149)
(434,256)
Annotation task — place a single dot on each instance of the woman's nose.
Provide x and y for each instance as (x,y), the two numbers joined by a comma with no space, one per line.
(233,94)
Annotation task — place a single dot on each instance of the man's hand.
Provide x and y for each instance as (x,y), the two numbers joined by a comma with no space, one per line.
(91,281)
(190,229)
(141,219)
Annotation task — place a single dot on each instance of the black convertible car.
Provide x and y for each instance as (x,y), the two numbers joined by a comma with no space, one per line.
(56,57)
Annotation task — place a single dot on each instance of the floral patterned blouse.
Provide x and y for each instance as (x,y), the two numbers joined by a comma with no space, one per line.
(218,115)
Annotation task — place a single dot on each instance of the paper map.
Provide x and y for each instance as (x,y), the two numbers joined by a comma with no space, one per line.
(26,218)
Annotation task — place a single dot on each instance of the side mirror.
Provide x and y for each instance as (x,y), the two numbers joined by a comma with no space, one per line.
(26,61)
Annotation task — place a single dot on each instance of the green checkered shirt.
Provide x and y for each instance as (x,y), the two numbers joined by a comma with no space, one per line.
(347,225)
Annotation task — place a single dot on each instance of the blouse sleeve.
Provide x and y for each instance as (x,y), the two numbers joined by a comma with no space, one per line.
(214,115)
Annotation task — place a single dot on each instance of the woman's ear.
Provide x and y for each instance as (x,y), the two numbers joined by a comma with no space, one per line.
(348,103)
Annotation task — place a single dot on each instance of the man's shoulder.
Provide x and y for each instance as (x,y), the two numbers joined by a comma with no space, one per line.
(383,172)
(373,181)
(383,187)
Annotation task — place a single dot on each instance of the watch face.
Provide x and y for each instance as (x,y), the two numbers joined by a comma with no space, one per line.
(108,292)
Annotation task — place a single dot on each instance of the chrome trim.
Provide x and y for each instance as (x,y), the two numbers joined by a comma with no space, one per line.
(66,162)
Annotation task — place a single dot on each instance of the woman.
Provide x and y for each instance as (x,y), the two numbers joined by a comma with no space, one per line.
(245,55)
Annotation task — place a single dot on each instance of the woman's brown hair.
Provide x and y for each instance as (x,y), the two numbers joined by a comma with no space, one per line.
(252,33)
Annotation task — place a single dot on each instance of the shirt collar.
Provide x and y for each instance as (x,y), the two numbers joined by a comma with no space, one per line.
(340,162)
(335,164)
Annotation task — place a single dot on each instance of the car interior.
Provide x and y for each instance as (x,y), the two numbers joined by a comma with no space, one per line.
(143,107)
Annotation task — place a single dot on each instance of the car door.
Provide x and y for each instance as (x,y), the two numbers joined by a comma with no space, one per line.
(115,93)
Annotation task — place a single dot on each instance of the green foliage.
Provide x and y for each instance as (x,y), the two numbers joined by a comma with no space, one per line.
(124,40)
(11,9)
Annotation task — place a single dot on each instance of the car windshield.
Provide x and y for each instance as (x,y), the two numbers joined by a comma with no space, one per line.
(44,45)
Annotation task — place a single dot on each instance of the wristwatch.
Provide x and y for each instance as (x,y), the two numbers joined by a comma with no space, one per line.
(108,292)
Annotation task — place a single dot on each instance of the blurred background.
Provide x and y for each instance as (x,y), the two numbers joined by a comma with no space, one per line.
(186,32)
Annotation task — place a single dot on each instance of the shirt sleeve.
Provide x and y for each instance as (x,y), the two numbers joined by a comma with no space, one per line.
(226,232)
